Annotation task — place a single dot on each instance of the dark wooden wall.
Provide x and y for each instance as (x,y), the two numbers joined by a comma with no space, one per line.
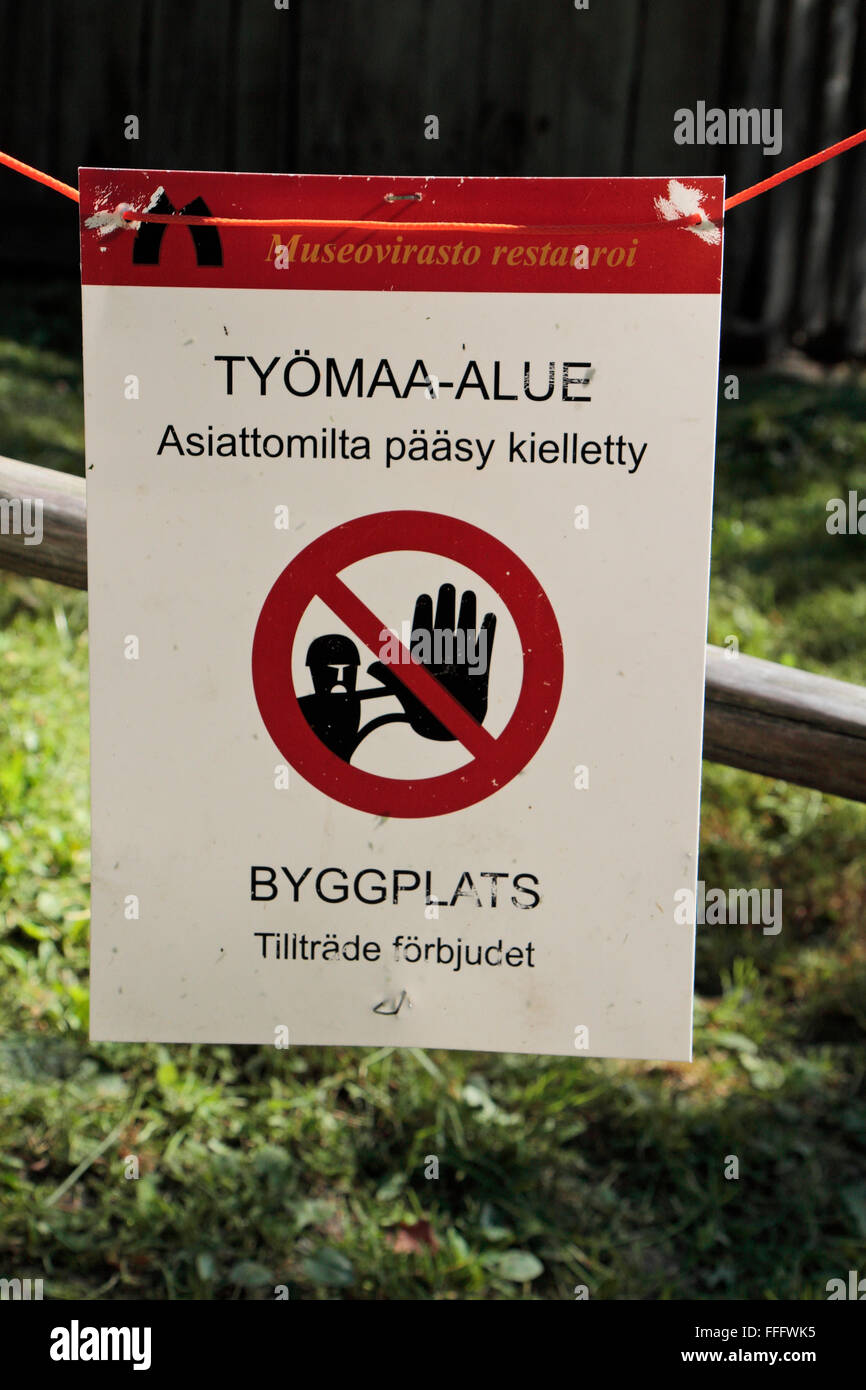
(519,86)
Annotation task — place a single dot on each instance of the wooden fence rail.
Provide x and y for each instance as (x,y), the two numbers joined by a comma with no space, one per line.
(766,718)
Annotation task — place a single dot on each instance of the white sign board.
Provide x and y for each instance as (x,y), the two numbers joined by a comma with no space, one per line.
(398,547)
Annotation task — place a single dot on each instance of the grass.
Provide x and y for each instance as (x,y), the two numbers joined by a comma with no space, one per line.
(306,1168)
(41,404)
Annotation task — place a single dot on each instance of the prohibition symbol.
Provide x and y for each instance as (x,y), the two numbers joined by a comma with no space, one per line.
(315,573)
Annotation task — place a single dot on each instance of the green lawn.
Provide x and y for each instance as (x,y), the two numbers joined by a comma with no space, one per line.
(260,1167)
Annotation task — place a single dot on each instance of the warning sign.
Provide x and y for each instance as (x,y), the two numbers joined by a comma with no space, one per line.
(398,548)
(442,697)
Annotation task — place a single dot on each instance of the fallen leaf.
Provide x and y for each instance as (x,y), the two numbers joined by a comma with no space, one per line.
(408,1240)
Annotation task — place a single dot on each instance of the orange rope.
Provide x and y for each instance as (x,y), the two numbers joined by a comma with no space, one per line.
(130,216)
(794,169)
(29,172)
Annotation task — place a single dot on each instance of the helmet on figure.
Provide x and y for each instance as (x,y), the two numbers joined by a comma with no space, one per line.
(333,661)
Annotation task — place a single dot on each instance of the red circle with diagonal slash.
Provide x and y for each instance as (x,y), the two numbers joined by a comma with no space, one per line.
(315,573)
